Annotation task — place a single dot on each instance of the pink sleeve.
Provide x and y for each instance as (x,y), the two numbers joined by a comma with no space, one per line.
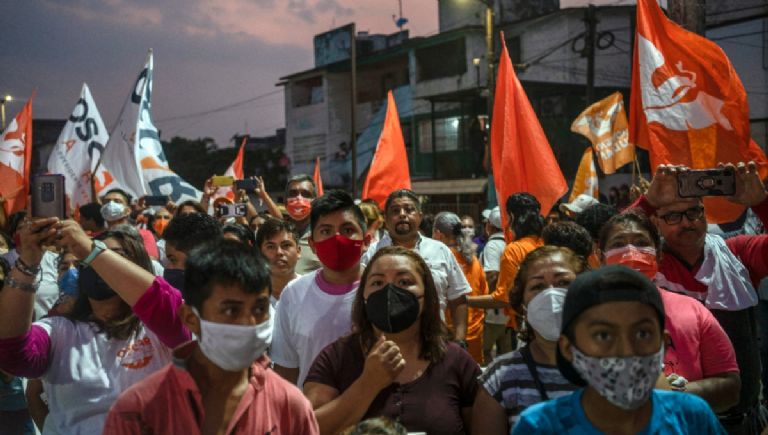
(761,211)
(717,354)
(753,253)
(27,355)
(157,309)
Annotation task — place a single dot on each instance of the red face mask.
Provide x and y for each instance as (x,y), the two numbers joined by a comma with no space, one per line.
(159,226)
(338,252)
(298,207)
(642,259)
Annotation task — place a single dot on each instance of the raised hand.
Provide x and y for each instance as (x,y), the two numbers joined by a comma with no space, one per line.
(71,236)
(383,364)
(750,189)
(33,234)
(663,188)
(209,189)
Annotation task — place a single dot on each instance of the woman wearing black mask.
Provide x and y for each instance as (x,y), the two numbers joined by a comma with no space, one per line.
(398,362)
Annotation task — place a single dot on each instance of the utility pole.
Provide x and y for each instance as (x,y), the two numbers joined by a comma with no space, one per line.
(590,20)
(353,102)
(690,14)
(489,57)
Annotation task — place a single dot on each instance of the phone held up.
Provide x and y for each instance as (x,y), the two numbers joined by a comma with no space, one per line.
(706,182)
(248,185)
(156,200)
(48,198)
(230,210)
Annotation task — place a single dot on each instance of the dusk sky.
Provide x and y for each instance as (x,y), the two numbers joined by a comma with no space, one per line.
(208,54)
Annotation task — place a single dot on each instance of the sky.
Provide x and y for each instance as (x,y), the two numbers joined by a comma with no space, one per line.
(207,54)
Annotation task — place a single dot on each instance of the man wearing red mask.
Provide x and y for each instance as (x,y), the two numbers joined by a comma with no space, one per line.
(299,193)
(316,309)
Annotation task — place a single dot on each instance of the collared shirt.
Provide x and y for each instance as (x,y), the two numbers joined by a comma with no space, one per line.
(446,272)
(169,402)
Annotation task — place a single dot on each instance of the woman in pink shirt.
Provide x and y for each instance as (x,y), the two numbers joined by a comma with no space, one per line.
(699,358)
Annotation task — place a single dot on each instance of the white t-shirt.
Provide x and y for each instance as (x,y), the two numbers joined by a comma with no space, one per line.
(88,372)
(48,287)
(446,272)
(307,320)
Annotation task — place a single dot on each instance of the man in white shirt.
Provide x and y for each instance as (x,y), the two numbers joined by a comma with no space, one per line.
(402,214)
(316,309)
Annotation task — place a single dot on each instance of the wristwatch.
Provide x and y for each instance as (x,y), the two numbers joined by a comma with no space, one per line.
(97,248)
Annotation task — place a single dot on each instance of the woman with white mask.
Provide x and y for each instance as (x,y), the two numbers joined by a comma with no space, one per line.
(527,376)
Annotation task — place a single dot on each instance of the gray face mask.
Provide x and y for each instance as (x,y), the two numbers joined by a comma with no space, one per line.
(624,381)
(112,211)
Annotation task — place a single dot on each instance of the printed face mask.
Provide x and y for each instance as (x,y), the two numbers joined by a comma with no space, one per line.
(68,282)
(624,381)
(642,259)
(112,211)
(392,309)
(545,312)
(233,347)
(338,252)
(298,207)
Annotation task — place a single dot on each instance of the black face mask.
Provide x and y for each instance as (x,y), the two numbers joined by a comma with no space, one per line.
(392,309)
(90,283)
(174,277)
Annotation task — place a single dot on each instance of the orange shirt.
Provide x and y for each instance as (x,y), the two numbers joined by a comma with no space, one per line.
(476,278)
(513,255)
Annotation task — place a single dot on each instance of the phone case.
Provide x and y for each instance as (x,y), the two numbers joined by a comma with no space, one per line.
(48,198)
(706,182)
(223,180)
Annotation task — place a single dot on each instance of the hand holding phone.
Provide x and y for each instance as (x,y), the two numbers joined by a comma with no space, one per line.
(706,182)
(48,198)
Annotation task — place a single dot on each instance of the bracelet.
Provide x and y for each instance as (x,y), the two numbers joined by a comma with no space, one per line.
(23,286)
(26,269)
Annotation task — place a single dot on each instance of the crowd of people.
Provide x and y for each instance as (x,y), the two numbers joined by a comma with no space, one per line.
(326,314)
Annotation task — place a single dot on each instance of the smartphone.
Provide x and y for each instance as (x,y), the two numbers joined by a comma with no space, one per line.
(247,185)
(160,200)
(223,180)
(227,210)
(48,198)
(706,182)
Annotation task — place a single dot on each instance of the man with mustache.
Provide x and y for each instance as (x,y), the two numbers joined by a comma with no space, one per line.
(722,274)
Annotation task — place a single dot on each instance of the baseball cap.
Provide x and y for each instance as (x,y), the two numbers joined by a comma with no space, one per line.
(486,213)
(614,283)
(494,217)
(579,204)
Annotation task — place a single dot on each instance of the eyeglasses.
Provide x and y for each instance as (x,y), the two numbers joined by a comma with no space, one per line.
(692,214)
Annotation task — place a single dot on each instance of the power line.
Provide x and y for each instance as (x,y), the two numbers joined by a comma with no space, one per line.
(221,108)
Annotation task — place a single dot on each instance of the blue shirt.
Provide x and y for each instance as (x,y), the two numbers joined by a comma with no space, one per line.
(673,413)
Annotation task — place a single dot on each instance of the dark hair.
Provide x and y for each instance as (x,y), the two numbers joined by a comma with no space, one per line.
(528,223)
(187,231)
(594,217)
(272,227)
(92,211)
(14,221)
(570,235)
(190,203)
(402,193)
(333,201)
(376,426)
(223,262)
(578,265)
(121,192)
(427,224)
(634,216)
(300,178)
(125,324)
(433,333)
(6,269)
(519,202)
(245,235)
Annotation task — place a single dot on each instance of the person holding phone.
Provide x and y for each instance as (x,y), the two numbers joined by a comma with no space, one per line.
(722,274)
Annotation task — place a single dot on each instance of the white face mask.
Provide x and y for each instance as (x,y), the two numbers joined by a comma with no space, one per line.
(112,211)
(233,347)
(545,312)
(468,232)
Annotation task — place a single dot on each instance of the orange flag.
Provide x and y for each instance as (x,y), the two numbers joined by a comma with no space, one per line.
(605,125)
(586,178)
(235,170)
(15,158)
(688,104)
(318,179)
(520,153)
(389,166)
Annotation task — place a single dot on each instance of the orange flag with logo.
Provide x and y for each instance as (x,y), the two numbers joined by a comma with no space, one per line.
(389,166)
(521,156)
(586,178)
(318,179)
(15,158)
(688,104)
(235,170)
(605,125)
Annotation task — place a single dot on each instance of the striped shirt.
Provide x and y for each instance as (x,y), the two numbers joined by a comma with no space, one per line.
(509,381)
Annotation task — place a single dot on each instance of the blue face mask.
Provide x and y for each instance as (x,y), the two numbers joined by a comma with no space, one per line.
(68,282)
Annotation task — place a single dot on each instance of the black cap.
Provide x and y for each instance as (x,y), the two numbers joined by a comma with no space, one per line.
(614,283)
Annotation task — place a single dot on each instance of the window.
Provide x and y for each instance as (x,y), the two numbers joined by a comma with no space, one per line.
(443,60)
(446,132)
(308,91)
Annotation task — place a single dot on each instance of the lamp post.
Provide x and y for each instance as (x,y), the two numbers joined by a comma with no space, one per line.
(5,99)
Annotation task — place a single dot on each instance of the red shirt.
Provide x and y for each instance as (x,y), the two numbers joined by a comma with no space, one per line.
(168,402)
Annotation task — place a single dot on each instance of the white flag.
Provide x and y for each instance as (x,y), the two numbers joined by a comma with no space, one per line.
(133,159)
(78,148)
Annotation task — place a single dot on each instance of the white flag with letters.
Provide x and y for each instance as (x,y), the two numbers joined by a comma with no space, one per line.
(78,148)
(134,159)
